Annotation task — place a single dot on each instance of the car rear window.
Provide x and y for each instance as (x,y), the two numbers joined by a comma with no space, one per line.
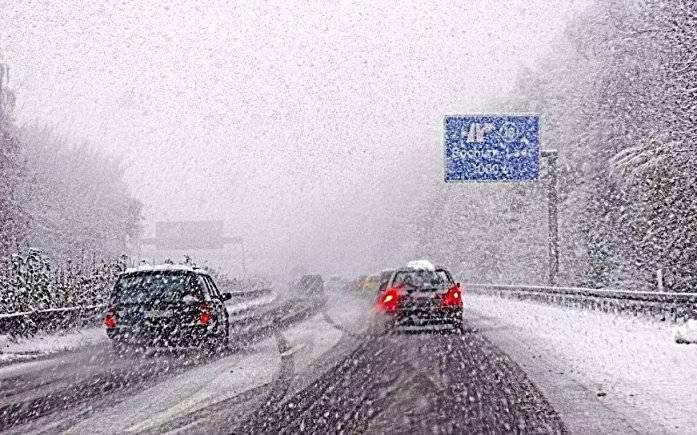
(155,287)
(422,279)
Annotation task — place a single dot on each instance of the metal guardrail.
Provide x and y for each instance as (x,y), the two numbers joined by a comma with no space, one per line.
(28,323)
(670,306)
(250,294)
(53,319)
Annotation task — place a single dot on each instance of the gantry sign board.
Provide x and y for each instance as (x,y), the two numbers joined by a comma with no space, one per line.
(492,148)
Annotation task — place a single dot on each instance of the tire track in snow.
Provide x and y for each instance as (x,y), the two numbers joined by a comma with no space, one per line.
(216,416)
(258,421)
(327,318)
(416,383)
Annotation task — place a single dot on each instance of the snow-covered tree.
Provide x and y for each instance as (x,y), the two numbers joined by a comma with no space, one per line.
(66,215)
(617,98)
(13,218)
(620,107)
(79,203)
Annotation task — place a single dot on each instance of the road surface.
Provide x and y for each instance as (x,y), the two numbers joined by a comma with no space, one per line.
(320,373)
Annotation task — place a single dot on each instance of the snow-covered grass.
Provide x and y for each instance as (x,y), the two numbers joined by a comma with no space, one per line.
(633,360)
(23,349)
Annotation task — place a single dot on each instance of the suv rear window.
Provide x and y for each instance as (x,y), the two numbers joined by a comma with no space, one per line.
(155,287)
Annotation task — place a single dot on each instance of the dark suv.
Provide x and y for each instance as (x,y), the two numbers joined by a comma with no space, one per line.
(167,306)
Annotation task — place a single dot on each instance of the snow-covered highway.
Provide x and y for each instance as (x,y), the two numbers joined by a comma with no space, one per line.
(519,366)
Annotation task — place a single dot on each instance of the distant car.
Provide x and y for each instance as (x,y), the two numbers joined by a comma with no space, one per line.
(370,283)
(311,287)
(419,296)
(167,306)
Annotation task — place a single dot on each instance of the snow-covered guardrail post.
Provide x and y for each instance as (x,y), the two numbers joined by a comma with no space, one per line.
(659,279)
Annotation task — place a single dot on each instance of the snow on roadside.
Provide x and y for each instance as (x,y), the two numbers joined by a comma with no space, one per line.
(632,359)
(43,344)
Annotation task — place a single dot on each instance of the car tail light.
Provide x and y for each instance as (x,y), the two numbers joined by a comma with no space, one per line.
(453,298)
(389,300)
(204,316)
(110,319)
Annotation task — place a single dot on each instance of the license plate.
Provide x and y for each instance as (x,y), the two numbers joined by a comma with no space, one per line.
(158,314)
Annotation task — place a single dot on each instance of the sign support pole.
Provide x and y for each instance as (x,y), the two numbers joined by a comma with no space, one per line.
(553,214)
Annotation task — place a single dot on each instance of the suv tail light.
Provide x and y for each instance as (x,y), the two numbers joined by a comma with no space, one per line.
(110,319)
(454,297)
(204,317)
(389,300)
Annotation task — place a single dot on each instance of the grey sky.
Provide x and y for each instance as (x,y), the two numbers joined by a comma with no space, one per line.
(303,125)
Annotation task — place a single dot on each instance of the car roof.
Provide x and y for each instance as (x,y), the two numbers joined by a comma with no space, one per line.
(413,269)
(149,268)
(421,264)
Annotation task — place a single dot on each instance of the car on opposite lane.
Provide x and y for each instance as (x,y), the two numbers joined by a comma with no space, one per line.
(419,296)
(167,306)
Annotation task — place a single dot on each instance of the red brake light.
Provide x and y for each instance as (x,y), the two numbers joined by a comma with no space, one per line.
(204,317)
(453,297)
(110,319)
(389,300)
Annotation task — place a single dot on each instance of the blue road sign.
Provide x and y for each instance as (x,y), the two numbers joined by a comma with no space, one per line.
(492,148)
